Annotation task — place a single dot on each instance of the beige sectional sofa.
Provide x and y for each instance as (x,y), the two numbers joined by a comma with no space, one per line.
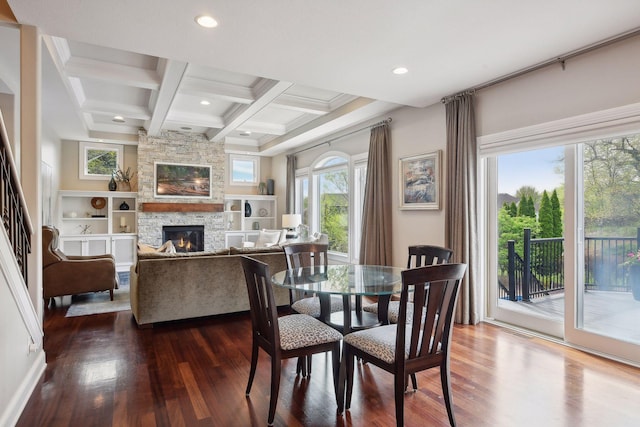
(168,287)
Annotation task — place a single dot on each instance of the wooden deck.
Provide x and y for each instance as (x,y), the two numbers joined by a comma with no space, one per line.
(615,314)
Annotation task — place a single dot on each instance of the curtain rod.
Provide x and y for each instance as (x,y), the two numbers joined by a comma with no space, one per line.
(380,123)
(558,60)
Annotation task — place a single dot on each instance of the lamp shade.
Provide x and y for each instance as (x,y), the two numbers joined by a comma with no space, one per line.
(291,220)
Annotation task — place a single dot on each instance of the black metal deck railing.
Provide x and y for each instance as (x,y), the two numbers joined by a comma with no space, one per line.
(540,269)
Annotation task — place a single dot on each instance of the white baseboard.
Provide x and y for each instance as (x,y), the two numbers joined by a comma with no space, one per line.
(20,398)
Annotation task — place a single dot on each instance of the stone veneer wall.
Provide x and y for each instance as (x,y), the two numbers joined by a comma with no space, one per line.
(186,148)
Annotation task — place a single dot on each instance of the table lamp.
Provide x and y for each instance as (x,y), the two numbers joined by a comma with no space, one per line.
(291,223)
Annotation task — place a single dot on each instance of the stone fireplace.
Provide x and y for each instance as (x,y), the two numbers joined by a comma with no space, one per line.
(185,238)
(180,148)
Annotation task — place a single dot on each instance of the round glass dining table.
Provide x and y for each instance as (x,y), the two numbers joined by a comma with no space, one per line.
(347,280)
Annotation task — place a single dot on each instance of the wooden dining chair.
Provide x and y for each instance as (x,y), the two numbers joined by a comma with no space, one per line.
(308,255)
(415,343)
(295,335)
(419,256)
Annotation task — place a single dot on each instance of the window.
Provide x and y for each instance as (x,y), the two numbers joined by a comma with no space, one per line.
(331,181)
(302,195)
(329,197)
(359,185)
(98,161)
(244,170)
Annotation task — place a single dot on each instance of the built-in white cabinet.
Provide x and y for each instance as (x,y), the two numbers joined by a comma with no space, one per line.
(85,245)
(245,215)
(99,222)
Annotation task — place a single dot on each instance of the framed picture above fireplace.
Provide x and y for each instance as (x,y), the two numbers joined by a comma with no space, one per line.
(182,180)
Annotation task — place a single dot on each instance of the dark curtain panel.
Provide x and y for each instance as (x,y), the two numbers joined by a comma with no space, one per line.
(291,184)
(375,245)
(461,228)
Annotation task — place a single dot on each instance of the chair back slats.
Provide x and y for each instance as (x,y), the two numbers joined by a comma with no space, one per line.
(421,255)
(435,289)
(306,255)
(300,255)
(262,304)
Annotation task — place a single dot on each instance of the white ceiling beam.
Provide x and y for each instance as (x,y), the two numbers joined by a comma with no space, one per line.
(115,128)
(116,137)
(127,111)
(92,69)
(194,120)
(350,114)
(304,105)
(160,103)
(59,50)
(265,92)
(203,88)
(262,127)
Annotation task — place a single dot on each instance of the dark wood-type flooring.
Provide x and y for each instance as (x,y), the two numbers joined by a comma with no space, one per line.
(104,371)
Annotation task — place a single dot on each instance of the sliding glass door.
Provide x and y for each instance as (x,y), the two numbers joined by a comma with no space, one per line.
(604,307)
(562,235)
(528,289)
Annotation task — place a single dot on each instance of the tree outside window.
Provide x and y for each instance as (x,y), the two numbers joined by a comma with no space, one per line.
(99,160)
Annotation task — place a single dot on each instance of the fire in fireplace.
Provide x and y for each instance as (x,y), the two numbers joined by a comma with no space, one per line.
(185,238)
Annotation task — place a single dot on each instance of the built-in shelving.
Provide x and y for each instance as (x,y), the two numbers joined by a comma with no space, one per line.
(88,228)
(242,223)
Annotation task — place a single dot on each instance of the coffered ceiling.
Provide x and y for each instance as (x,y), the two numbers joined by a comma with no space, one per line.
(279,74)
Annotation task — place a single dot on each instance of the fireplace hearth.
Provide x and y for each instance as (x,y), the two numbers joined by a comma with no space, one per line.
(185,238)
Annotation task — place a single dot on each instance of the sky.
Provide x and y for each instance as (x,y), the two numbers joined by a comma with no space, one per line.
(537,168)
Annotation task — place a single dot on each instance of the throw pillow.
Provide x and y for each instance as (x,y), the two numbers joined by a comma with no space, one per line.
(268,238)
(166,247)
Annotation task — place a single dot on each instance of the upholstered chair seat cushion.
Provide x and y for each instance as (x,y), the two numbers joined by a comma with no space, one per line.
(300,330)
(379,342)
(394,310)
(311,306)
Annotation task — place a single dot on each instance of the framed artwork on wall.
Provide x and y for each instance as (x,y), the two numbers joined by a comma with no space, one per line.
(419,178)
(182,180)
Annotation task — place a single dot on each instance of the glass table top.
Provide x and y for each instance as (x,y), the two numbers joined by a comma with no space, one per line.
(343,279)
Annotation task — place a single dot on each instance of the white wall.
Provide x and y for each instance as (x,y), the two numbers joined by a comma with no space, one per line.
(20,366)
(602,79)
(605,78)
(413,131)
(69,172)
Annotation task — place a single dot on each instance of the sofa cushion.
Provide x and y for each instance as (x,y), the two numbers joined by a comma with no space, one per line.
(247,251)
(152,255)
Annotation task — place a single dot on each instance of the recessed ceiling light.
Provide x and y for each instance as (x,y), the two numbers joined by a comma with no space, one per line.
(400,70)
(185,128)
(118,119)
(204,102)
(245,133)
(206,21)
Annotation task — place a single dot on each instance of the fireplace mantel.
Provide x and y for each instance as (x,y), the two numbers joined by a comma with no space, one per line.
(181,207)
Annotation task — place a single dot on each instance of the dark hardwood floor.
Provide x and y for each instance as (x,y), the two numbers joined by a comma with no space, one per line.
(104,371)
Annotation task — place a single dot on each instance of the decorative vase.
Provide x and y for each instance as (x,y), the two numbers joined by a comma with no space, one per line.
(124,206)
(256,225)
(113,185)
(634,281)
(247,209)
(270,187)
(262,188)
(124,186)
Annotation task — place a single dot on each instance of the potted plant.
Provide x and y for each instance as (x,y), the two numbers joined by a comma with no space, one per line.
(124,178)
(633,264)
